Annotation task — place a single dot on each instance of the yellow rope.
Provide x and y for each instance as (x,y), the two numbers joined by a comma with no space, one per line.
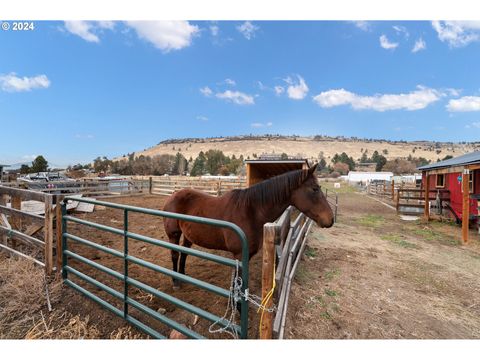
(268,296)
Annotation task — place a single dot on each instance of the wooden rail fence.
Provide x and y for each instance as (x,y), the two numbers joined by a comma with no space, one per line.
(18,226)
(284,242)
(160,185)
(412,201)
(87,187)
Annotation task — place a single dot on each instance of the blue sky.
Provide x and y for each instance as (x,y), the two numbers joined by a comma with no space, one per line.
(77,90)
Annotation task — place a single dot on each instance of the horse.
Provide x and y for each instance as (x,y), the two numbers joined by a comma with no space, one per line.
(248,208)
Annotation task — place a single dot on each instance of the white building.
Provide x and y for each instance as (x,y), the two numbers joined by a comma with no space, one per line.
(365,177)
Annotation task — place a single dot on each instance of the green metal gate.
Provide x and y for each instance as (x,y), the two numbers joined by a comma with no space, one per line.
(242,330)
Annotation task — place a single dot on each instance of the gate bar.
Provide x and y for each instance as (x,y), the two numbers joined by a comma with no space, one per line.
(184,305)
(171,323)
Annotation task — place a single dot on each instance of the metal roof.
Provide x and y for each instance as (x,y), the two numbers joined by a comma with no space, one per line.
(467,159)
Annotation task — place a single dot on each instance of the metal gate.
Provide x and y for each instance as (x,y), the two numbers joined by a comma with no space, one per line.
(67,269)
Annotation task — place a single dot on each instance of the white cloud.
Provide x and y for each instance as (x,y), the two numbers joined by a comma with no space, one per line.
(419,45)
(236,97)
(401,30)
(457,33)
(415,100)
(165,35)
(86,29)
(214,30)
(206,91)
(106,24)
(202,118)
(260,125)
(247,29)
(464,104)
(230,82)
(12,83)
(261,86)
(386,44)
(453,92)
(296,90)
(362,25)
(83,29)
(279,90)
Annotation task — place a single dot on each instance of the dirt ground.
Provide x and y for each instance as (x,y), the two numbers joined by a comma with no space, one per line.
(375,276)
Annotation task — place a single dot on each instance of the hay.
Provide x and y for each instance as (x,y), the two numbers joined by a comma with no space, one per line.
(22,296)
(126,333)
(63,325)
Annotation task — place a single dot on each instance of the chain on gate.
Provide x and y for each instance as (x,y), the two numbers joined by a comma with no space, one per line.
(234,297)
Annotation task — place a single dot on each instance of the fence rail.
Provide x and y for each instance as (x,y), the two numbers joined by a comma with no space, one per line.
(90,187)
(18,226)
(166,186)
(412,201)
(287,240)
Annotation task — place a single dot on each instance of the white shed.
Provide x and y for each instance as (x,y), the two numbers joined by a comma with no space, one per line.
(366,177)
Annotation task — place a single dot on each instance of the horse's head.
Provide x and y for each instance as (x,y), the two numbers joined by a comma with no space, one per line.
(309,199)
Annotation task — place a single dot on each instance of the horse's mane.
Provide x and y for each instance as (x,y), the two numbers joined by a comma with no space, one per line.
(272,191)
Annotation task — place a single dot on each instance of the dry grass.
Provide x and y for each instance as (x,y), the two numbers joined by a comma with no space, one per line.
(23,305)
(22,295)
(62,325)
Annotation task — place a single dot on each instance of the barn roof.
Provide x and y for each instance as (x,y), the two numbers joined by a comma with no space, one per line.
(467,159)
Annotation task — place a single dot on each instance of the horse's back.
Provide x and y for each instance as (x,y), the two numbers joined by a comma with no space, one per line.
(196,203)
(186,201)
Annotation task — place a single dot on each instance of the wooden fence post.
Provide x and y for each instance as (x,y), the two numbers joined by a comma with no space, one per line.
(3,202)
(16,222)
(426,210)
(59,233)
(150,185)
(48,231)
(268,267)
(399,191)
(393,190)
(466,204)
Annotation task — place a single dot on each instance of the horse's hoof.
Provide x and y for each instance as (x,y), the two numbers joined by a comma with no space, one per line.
(176,286)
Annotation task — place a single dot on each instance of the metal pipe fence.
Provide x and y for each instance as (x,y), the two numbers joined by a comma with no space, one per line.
(128,281)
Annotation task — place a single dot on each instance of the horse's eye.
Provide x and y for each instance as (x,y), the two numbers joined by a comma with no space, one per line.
(316,189)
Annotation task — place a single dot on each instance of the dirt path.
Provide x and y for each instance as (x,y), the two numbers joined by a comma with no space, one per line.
(375,276)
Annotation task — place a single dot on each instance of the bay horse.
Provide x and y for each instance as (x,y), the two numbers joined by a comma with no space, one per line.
(248,208)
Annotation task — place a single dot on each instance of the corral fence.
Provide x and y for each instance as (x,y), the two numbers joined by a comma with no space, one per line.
(24,232)
(129,282)
(162,185)
(284,242)
(87,187)
(412,201)
(409,199)
(384,189)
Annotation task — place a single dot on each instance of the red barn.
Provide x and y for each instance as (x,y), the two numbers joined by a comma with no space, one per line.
(461,177)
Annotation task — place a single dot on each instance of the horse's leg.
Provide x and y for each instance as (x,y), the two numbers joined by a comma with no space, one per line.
(175,239)
(183,257)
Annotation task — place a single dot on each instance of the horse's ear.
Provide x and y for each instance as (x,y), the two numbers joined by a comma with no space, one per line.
(312,169)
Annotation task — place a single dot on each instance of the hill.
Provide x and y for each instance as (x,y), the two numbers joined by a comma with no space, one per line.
(308,146)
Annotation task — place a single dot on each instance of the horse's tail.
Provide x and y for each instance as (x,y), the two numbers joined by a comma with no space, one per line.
(172,228)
